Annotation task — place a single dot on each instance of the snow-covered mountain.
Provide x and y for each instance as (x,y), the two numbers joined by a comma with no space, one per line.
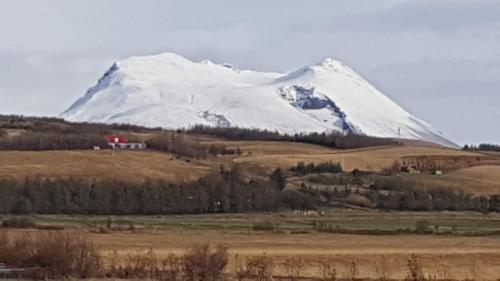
(170,91)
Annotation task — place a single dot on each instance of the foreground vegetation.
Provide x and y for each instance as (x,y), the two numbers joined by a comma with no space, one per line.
(55,254)
(50,255)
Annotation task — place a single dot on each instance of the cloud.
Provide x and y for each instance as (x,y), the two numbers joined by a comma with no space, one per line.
(424,15)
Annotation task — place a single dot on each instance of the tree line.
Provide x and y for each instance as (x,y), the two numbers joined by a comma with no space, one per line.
(302,168)
(220,192)
(185,145)
(30,140)
(224,191)
(395,194)
(333,139)
(482,147)
(59,125)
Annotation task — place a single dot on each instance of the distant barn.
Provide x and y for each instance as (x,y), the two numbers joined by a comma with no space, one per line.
(120,142)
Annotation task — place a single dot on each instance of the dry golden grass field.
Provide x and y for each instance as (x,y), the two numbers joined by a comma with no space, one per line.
(464,257)
(475,180)
(478,176)
(104,164)
(447,257)
(139,165)
(285,155)
(369,159)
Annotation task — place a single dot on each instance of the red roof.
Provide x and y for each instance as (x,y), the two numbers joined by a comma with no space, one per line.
(116,139)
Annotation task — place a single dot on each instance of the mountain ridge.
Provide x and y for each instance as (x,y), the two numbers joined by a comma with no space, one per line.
(170,91)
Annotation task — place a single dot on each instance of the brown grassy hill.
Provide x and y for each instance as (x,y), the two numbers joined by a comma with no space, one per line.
(106,164)
(475,180)
(133,164)
(285,155)
(262,155)
(485,179)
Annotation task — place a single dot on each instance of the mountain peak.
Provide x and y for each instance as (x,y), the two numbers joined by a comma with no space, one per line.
(329,62)
(170,91)
(166,58)
(333,64)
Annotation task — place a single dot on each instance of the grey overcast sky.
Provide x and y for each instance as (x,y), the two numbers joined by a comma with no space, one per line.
(440,60)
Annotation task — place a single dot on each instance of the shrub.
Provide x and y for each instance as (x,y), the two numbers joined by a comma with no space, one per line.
(293,268)
(278,177)
(264,226)
(140,265)
(205,262)
(414,271)
(296,199)
(353,270)
(172,267)
(422,227)
(258,268)
(18,222)
(51,254)
(394,169)
(199,262)
(219,149)
(382,269)
(327,270)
